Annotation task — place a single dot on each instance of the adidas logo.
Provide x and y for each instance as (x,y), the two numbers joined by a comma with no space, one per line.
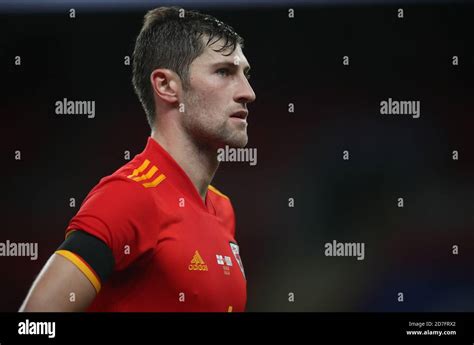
(197,263)
(150,178)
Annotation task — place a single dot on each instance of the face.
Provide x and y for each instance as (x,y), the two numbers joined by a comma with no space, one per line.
(215,112)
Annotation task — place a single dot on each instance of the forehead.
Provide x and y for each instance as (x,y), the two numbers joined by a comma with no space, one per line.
(211,57)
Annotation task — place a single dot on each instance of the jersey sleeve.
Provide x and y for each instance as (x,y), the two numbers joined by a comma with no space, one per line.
(119,213)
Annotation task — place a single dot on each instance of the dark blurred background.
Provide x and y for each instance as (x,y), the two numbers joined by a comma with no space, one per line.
(297,61)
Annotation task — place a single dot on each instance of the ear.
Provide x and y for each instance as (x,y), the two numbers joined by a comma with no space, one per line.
(166,85)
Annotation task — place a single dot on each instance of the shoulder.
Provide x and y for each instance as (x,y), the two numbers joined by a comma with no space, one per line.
(220,201)
(132,183)
(217,192)
(140,172)
(223,207)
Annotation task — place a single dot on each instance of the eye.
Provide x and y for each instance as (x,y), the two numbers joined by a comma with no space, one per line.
(223,71)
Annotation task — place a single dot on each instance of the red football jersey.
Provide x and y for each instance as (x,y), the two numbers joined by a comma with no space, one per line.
(172,251)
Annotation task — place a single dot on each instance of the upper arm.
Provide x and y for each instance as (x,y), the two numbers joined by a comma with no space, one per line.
(60,286)
(72,277)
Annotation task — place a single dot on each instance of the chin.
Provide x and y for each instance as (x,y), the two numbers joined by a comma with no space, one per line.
(238,141)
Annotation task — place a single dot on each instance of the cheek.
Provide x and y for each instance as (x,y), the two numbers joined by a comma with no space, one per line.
(208,93)
(210,98)
(211,84)
(211,102)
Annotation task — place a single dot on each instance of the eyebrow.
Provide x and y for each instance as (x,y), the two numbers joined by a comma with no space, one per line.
(231,65)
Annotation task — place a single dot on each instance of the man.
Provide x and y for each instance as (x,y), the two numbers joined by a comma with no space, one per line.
(155,235)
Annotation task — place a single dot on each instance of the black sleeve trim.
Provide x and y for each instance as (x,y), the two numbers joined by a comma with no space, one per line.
(92,250)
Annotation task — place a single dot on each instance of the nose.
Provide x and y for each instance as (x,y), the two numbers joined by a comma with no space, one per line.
(245,93)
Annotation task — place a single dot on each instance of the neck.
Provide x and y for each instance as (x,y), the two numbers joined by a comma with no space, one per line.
(199,163)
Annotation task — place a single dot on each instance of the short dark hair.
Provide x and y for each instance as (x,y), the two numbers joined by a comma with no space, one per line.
(172,38)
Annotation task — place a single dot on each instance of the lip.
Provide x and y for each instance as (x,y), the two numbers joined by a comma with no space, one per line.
(240,114)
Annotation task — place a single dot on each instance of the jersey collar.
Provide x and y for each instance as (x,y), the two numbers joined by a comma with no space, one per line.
(175,174)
